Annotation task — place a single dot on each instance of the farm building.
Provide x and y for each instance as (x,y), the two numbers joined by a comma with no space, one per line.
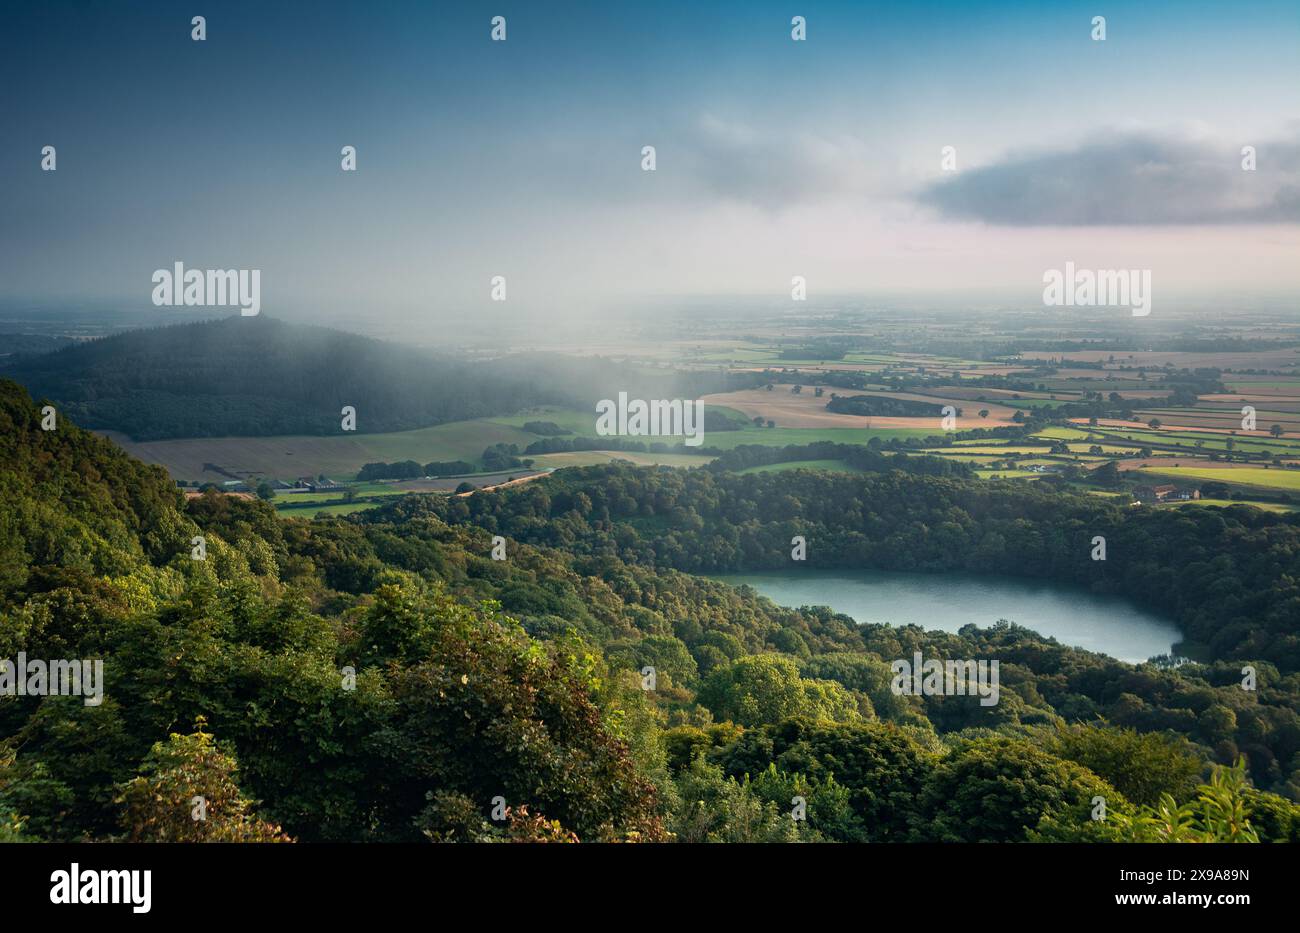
(321,484)
(1165,493)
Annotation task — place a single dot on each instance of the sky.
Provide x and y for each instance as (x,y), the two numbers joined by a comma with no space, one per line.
(523,158)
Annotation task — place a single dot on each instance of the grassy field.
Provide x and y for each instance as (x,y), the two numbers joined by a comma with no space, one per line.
(581,423)
(1247,386)
(1082,448)
(1185,441)
(1063,434)
(1229,420)
(213,459)
(342,509)
(1007,474)
(341,456)
(584,425)
(962,458)
(1055,461)
(780,437)
(1246,476)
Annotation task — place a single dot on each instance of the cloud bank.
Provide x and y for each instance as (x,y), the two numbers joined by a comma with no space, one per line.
(1129,179)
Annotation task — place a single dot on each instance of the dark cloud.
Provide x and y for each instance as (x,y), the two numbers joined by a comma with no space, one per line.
(1129,179)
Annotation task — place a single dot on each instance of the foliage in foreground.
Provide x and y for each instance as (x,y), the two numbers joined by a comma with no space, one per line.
(385,680)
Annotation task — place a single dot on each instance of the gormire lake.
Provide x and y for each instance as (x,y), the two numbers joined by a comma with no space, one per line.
(1071,615)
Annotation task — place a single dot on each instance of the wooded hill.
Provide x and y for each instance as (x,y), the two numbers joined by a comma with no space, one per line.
(385,679)
(257,376)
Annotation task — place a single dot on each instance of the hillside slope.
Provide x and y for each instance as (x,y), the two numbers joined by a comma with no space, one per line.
(386,679)
(401,722)
(259,376)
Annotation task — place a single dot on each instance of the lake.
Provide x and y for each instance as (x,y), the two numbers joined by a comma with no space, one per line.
(1071,615)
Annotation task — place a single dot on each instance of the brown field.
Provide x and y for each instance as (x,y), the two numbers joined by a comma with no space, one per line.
(339,456)
(1202,462)
(807,411)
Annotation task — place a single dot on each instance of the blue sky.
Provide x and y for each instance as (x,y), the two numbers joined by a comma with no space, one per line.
(522,158)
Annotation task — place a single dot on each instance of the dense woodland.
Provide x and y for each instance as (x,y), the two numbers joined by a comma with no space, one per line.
(745,456)
(878,406)
(382,678)
(411,469)
(1229,577)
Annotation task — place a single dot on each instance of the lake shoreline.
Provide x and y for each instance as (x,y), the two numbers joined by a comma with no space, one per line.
(1074,616)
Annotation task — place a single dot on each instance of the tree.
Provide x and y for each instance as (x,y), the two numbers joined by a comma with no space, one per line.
(999,789)
(455,702)
(1140,765)
(984,412)
(1276,430)
(265,490)
(479,709)
(1106,475)
(1220,812)
(766,688)
(186,792)
(715,808)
